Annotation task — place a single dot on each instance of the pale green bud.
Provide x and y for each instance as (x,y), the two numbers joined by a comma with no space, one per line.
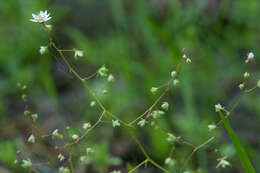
(61,157)
(115,123)
(165,106)
(27,164)
(31,139)
(153,90)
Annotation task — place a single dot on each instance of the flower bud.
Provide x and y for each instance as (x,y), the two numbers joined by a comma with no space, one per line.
(173,74)
(31,139)
(74,136)
(93,103)
(165,106)
(110,78)
(153,90)
(115,123)
(241,86)
(43,49)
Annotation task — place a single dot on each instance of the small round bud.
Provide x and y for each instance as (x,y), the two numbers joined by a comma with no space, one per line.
(104,91)
(169,161)
(74,136)
(27,112)
(93,103)
(48,27)
(31,139)
(165,106)
(18,84)
(61,157)
(153,89)
(250,57)
(173,74)
(212,127)
(241,86)
(89,150)
(258,84)
(171,138)
(176,82)
(246,75)
(115,123)
(24,87)
(24,96)
(86,126)
(110,78)
(34,117)
(43,49)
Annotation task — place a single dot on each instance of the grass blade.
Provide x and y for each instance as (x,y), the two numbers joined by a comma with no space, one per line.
(239,148)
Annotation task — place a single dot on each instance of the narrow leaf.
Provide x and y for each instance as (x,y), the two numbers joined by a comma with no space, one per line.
(239,148)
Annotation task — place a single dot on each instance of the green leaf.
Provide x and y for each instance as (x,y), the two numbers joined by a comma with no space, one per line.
(239,148)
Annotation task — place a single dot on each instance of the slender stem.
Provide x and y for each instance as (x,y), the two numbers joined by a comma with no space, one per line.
(138,166)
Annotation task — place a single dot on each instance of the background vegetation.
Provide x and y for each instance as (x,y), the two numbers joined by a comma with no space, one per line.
(140,41)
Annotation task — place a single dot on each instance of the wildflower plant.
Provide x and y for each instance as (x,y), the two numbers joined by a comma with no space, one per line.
(64,142)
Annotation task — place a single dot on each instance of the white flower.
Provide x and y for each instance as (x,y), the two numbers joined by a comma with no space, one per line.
(41,17)
(250,57)
(34,117)
(115,123)
(78,53)
(165,105)
(75,136)
(212,127)
(110,78)
(43,49)
(223,163)
(86,126)
(246,75)
(153,89)
(31,139)
(184,56)
(218,107)
(173,74)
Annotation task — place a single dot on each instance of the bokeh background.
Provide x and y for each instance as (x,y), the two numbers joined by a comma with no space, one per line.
(140,41)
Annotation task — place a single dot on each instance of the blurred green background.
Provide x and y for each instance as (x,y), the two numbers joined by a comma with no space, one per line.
(140,41)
